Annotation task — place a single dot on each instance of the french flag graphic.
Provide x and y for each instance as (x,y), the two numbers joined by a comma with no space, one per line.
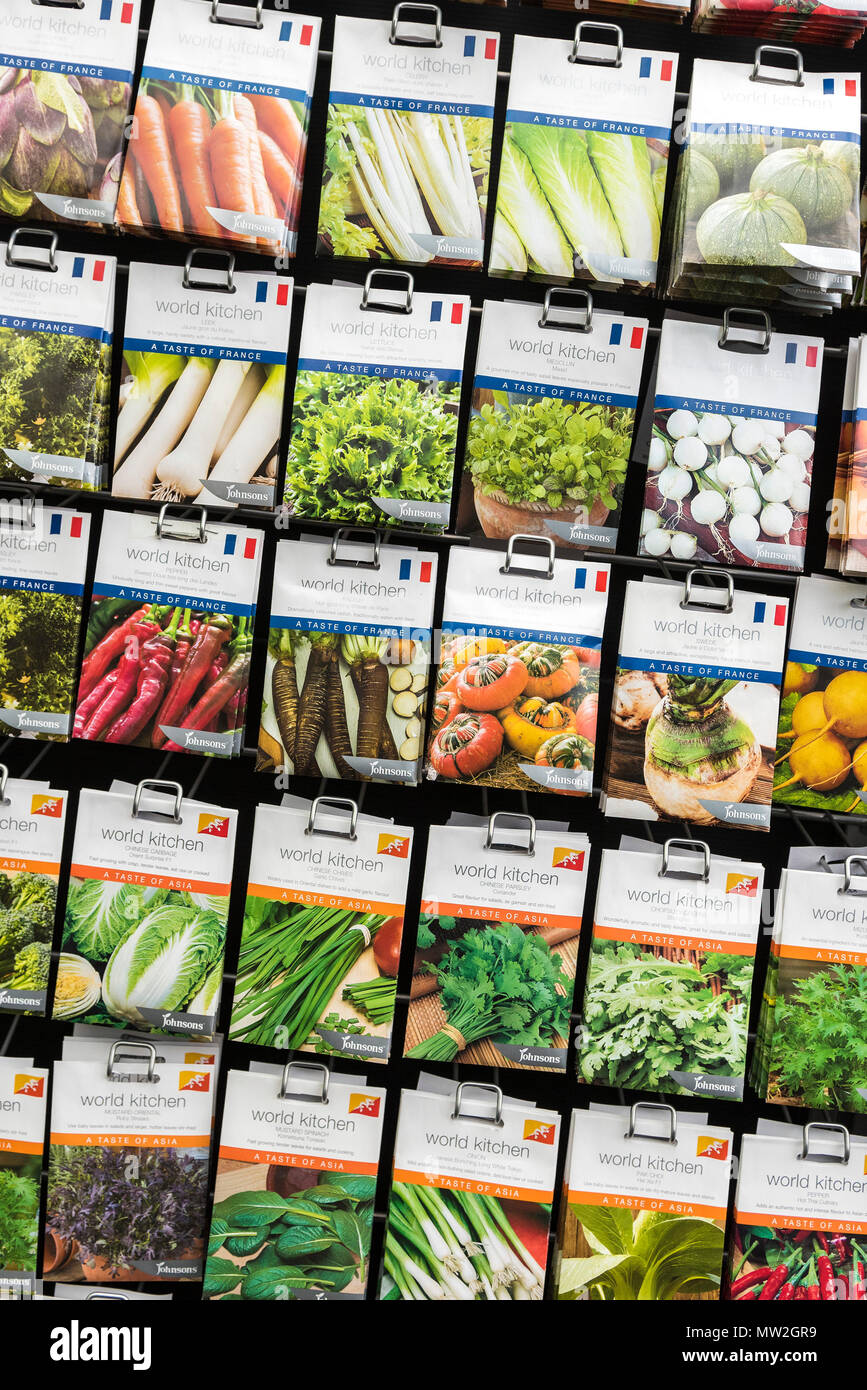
(809,355)
(490,49)
(127,9)
(305,33)
(829,86)
(78,267)
(61,524)
(665,68)
(600,584)
(264,291)
(230,546)
(422,570)
(438,308)
(636,336)
(777,611)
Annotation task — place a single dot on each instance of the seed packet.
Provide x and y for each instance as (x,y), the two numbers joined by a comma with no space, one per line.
(64,98)
(469,1211)
(408,141)
(202,386)
(682,932)
(841,25)
(821,758)
(657,11)
(515,703)
(695,705)
(328,888)
(553,413)
(219,130)
(348,666)
(644,1215)
(854,552)
(809,1044)
(32,818)
(768,188)
(44,559)
(293,1155)
(170,632)
(497,943)
(55,351)
(730,460)
(837,528)
(145,928)
(23,1098)
(584,160)
(375,413)
(127,1169)
(800,1230)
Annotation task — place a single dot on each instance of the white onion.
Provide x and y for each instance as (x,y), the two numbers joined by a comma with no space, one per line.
(745,501)
(743,531)
(657,456)
(708,507)
(681,423)
(713,429)
(734,471)
(776,519)
(799,442)
(674,483)
(793,467)
(771,446)
(683,545)
(800,498)
(776,486)
(690,453)
(775,428)
(657,542)
(650,520)
(712,472)
(748,436)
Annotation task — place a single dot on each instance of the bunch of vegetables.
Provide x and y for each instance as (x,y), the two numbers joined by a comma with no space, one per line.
(356,438)
(187,422)
(150,668)
(27,906)
(195,150)
(647,1255)
(126,1205)
(293,963)
(54,389)
(501,704)
(453,1246)
(312,1233)
(393,177)
(373,998)
(57,136)
(19,1215)
(822,739)
(647,1015)
(528,457)
(720,485)
(360,696)
(816,1050)
(502,983)
(128,949)
(571,202)
(778,1265)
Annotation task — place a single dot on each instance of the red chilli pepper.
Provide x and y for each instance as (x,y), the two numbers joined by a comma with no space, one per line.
(104,654)
(813,1293)
(209,640)
(156,661)
(746,1281)
(800,1294)
(120,694)
(788,1291)
(775,1282)
(92,702)
(184,640)
(826,1278)
(234,678)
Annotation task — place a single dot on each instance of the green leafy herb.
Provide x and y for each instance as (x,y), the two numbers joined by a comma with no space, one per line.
(19,1210)
(819,1047)
(374,998)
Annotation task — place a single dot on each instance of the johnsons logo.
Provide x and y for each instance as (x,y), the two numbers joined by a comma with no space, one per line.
(77,1343)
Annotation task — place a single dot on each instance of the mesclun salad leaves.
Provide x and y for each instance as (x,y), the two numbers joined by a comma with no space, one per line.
(357,437)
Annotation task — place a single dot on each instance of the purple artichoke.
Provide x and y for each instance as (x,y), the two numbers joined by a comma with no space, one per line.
(48,139)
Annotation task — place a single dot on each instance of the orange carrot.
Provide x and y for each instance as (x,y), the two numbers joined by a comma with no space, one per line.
(276,116)
(229,151)
(280,175)
(263,203)
(154,155)
(127,212)
(190,127)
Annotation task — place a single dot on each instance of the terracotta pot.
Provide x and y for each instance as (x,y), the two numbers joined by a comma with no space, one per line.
(500,519)
(99,1271)
(56,1252)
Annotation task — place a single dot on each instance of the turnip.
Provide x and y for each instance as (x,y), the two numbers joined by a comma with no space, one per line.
(674,483)
(658,454)
(859,768)
(714,429)
(748,436)
(743,531)
(799,442)
(776,486)
(845,704)
(776,519)
(745,501)
(681,423)
(819,761)
(650,520)
(734,471)
(800,498)
(708,507)
(657,542)
(793,467)
(690,453)
(808,716)
(683,545)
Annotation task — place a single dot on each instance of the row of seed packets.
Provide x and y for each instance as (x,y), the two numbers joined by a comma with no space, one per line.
(643,1213)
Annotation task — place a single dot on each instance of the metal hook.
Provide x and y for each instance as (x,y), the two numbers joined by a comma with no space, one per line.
(414,41)
(847,875)
(689,602)
(217,18)
(699,846)
(342,801)
(164,534)
(344,533)
(201,284)
(841,1130)
(384,306)
(495,1091)
(796,80)
(731,344)
(33,262)
(615,29)
(529,848)
(319,1068)
(633,1131)
(508,568)
(582,325)
(133,1051)
(157,784)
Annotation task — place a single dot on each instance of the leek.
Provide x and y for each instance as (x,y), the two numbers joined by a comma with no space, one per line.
(152,374)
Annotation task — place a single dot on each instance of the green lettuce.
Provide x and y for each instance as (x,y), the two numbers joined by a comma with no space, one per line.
(561,163)
(521,199)
(622,164)
(99,915)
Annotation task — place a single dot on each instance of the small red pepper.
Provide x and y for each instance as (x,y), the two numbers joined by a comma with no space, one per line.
(156,658)
(209,639)
(92,702)
(813,1293)
(120,694)
(746,1281)
(826,1278)
(775,1282)
(800,1294)
(234,678)
(104,654)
